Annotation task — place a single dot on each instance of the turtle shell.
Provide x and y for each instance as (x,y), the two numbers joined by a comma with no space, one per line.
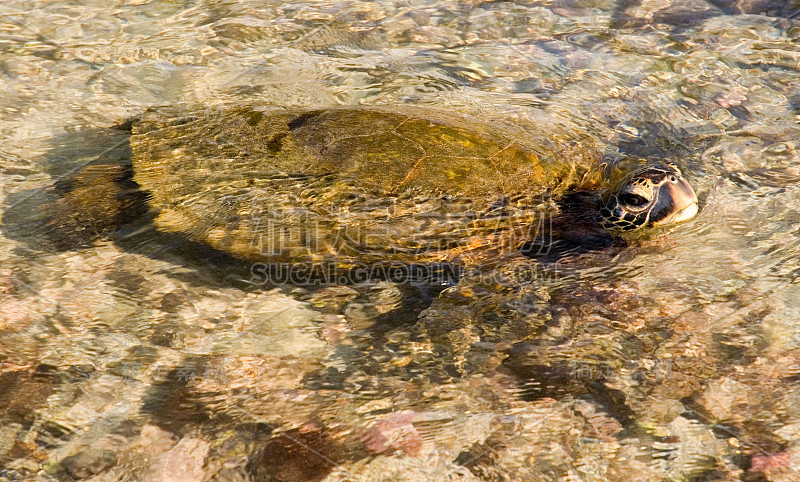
(351,184)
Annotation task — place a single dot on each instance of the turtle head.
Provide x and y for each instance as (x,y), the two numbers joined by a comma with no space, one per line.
(651,196)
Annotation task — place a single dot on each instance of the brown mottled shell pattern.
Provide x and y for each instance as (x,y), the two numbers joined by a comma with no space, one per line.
(351,184)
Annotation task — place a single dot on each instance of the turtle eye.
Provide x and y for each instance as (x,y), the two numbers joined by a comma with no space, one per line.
(633,199)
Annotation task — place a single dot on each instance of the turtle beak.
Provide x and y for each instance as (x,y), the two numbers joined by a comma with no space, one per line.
(684,201)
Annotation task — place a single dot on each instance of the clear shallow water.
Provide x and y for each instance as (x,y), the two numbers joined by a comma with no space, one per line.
(677,359)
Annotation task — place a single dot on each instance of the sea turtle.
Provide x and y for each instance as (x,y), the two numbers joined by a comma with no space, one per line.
(361,185)
(364,185)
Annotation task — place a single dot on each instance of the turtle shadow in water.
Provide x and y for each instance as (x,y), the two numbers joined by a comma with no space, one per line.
(52,218)
(684,15)
(44,221)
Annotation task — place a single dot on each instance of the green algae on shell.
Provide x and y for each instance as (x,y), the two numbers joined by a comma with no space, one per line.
(352,184)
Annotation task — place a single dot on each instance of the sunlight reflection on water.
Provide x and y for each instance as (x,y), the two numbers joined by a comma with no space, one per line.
(677,358)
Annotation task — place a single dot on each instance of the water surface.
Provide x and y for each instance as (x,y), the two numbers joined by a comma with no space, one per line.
(135,358)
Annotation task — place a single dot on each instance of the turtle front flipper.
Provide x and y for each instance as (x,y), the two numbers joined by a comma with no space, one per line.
(78,209)
(575,230)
